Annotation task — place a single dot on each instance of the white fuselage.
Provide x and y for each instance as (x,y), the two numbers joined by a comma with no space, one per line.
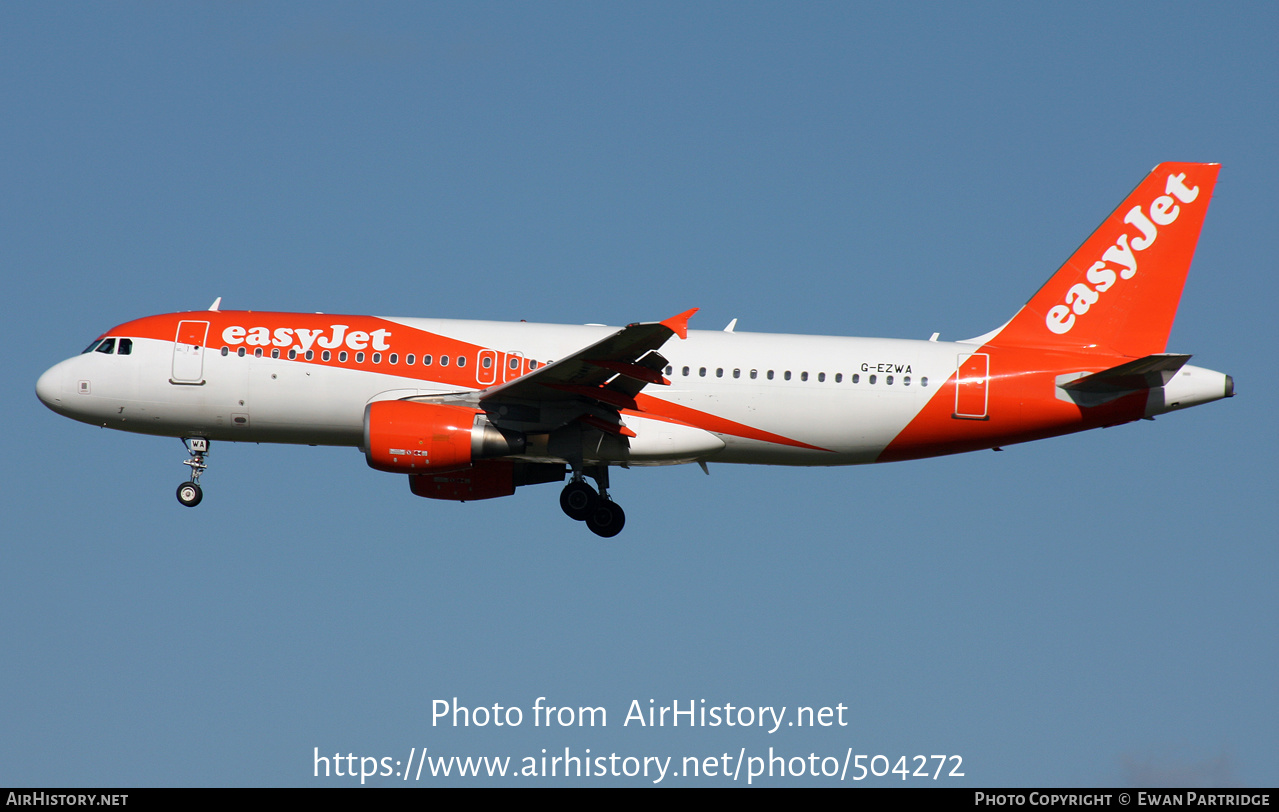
(830,400)
(846,396)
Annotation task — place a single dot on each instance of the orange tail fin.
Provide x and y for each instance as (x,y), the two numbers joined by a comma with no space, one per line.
(1119,291)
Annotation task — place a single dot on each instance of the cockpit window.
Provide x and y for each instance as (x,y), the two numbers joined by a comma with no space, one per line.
(125,348)
(92,344)
(107,346)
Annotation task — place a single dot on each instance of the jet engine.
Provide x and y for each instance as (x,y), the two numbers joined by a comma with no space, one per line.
(408,437)
(485,479)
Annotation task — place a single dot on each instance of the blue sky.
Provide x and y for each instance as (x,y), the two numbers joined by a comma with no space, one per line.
(1091,610)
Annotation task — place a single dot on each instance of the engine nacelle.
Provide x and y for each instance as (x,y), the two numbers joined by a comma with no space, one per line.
(486,479)
(405,437)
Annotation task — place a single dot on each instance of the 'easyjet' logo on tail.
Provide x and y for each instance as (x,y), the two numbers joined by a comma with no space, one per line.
(1120,260)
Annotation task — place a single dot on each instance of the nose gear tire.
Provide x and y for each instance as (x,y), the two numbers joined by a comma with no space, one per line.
(190,494)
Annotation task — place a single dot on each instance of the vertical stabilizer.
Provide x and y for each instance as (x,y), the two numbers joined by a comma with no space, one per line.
(1119,291)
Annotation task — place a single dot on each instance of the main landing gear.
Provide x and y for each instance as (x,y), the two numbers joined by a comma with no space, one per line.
(189,493)
(580,502)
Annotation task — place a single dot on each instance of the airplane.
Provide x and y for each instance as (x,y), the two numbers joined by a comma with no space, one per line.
(472,410)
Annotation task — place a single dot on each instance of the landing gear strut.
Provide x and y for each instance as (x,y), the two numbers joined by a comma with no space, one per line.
(580,502)
(189,493)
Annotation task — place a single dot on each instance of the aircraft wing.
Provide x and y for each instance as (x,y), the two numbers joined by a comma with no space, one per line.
(610,372)
(591,385)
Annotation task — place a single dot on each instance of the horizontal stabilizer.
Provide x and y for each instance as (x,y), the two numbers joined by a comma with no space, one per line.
(1150,372)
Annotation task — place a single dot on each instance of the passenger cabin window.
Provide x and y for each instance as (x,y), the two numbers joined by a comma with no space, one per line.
(444,360)
(461,360)
(426,360)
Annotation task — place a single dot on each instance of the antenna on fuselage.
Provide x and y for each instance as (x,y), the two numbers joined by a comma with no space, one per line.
(731,326)
(216,302)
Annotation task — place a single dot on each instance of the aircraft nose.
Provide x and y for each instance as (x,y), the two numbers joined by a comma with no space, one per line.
(49,387)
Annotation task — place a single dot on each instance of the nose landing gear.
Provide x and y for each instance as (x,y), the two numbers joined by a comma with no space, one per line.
(189,493)
(580,502)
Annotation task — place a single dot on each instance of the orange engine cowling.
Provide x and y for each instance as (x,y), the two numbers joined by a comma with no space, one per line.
(405,437)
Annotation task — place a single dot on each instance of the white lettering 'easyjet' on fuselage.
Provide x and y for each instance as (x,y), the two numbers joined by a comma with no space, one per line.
(303,338)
